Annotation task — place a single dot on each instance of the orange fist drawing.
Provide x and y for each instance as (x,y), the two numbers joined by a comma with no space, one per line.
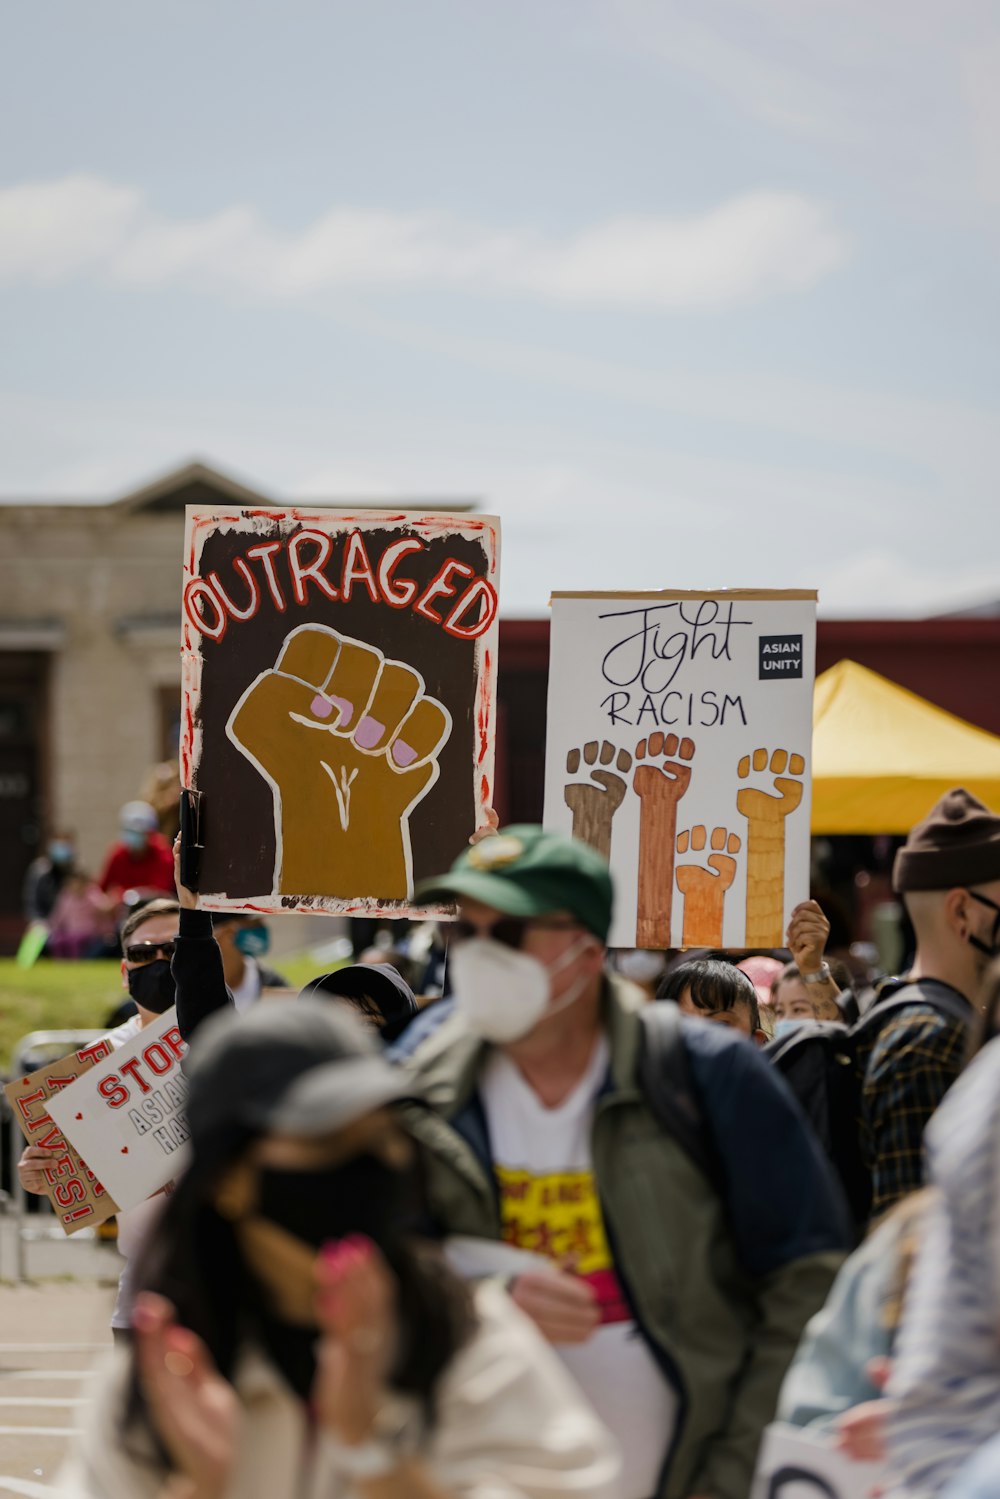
(347,742)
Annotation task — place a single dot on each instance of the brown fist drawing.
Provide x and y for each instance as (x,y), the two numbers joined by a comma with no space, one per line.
(704,889)
(765,813)
(659,787)
(347,741)
(594,802)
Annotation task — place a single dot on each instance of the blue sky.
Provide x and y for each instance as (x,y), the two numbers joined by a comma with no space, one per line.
(690,292)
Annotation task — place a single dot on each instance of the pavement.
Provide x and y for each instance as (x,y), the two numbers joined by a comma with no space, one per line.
(55,1333)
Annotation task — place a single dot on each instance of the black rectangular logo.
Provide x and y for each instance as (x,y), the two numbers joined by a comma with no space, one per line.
(780,657)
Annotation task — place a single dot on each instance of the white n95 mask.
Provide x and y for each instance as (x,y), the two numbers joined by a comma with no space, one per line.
(501,994)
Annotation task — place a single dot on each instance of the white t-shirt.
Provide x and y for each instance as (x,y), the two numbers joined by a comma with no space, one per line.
(247,991)
(135,1224)
(550,1206)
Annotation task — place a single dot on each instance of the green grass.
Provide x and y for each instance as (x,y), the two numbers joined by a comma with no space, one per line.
(56,996)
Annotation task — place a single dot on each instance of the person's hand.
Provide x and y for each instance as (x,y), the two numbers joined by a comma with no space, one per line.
(195,1410)
(808,930)
(563,1307)
(32,1166)
(488,828)
(355,1307)
(860,1431)
(185,897)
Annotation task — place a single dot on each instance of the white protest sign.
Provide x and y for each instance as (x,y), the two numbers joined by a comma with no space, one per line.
(125,1116)
(679,745)
(796,1463)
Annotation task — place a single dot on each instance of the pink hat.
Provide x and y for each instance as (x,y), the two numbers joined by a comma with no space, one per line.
(761,972)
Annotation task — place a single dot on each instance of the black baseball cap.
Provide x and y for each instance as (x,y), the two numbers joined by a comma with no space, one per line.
(299,1068)
(380,983)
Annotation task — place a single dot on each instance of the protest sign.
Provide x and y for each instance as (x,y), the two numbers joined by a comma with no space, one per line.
(78,1199)
(679,745)
(798,1463)
(126,1114)
(339,702)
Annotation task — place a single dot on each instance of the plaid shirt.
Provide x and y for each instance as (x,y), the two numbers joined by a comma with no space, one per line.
(908,1068)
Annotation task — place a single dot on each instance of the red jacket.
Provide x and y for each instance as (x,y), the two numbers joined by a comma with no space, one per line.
(153,869)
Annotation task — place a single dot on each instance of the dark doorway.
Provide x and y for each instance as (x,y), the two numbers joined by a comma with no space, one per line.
(23,681)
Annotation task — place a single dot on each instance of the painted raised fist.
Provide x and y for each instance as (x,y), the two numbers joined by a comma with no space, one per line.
(348,743)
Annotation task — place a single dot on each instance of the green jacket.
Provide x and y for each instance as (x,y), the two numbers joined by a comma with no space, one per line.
(723,1334)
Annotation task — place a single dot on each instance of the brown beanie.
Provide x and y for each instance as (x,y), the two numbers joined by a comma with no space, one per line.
(958,843)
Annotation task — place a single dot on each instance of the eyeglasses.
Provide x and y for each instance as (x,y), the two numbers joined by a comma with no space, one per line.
(511,930)
(145,952)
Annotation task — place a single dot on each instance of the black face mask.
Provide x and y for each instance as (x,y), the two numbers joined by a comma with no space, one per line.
(152,986)
(992,948)
(363,1196)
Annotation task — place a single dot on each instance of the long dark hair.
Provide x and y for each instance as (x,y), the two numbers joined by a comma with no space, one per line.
(193,1259)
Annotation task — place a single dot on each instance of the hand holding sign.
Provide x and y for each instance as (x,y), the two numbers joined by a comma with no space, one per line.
(347,740)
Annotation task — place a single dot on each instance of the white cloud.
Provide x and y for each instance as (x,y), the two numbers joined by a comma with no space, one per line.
(753,246)
(50,231)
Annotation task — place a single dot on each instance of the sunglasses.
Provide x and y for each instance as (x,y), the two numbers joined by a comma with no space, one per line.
(511,930)
(145,952)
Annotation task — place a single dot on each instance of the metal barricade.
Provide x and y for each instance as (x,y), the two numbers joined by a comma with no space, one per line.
(35,1050)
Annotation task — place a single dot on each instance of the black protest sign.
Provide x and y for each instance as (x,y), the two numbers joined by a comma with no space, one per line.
(339,701)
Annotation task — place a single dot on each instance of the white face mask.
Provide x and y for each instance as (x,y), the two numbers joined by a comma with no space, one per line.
(502,994)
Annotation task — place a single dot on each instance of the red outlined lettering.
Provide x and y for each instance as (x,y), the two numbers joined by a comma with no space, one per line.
(157,1058)
(24,1106)
(300,570)
(77,1214)
(357,568)
(55,1083)
(253,592)
(113,1090)
(175,1041)
(131,1069)
(198,588)
(441,586)
(481,588)
(402,592)
(265,551)
(95,1052)
(64,1194)
(53,1140)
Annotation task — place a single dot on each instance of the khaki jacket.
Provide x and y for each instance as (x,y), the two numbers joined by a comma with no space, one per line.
(510,1425)
(723,1334)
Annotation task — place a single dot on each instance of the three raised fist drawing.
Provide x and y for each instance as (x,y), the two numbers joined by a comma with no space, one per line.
(348,743)
(703,862)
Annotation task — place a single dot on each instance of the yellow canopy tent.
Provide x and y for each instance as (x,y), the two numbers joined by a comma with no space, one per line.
(882,756)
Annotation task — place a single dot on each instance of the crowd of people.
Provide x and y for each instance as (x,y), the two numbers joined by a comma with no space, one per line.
(588,1223)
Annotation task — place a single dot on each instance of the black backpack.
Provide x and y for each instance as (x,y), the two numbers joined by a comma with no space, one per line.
(822,1065)
(669,1088)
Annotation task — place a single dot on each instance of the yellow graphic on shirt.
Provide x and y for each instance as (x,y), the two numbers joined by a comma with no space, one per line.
(559,1215)
(556,1215)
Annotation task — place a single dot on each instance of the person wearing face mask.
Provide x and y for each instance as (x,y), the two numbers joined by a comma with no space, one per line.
(47,874)
(948,875)
(293,1335)
(675,1300)
(243,942)
(141,859)
(147,940)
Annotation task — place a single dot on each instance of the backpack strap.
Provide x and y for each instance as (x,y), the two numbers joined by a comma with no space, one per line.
(901,994)
(668,1086)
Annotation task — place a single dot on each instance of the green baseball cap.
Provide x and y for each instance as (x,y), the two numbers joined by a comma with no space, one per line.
(525,870)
